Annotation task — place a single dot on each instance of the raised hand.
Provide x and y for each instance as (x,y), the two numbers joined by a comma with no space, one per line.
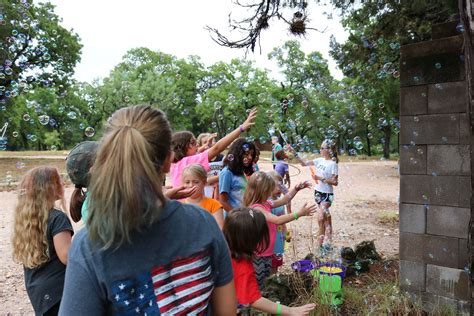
(307,210)
(180,192)
(302,185)
(249,121)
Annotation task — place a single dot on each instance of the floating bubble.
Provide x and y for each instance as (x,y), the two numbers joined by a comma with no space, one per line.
(290,97)
(262,140)
(72,115)
(54,147)
(218,105)
(245,147)
(82,126)
(89,131)
(43,119)
(460,28)
(185,112)
(15,134)
(416,119)
(419,151)
(230,157)
(434,174)
(214,125)
(20,165)
(425,197)
(431,255)
(52,122)
(453,117)
(305,103)
(438,86)
(396,74)
(438,65)
(444,139)
(26,117)
(32,137)
(126,99)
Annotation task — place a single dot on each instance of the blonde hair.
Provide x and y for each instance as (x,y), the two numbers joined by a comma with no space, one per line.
(275,175)
(201,137)
(126,181)
(259,188)
(195,170)
(37,193)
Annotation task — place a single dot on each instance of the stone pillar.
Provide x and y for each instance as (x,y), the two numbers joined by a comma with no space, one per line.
(435,171)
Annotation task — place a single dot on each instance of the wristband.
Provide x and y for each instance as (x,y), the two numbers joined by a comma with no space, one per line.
(295,216)
(242,129)
(278,312)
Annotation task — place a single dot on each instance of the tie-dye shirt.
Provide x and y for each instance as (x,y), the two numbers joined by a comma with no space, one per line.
(233,185)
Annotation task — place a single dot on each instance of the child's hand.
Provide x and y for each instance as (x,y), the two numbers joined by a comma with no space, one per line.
(180,192)
(307,210)
(249,121)
(210,140)
(302,185)
(302,310)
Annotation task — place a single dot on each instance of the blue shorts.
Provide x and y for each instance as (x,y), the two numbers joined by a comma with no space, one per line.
(321,197)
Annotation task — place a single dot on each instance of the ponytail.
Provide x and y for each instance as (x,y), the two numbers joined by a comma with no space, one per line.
(126,181)
(75,206)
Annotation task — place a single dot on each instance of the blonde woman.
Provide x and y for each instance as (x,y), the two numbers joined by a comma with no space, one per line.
(142,253)
(41,238)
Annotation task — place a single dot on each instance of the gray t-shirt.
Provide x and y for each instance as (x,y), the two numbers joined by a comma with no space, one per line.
(171,268)
(44,284)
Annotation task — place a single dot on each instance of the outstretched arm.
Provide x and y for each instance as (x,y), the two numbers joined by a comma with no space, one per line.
(225,141)
(302,161)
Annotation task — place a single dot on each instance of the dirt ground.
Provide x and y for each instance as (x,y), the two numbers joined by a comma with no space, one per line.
(366,191)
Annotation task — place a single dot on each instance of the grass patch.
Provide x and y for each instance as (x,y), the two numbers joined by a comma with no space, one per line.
(6,154)
(388,217)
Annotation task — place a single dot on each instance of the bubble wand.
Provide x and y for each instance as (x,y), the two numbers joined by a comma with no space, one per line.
(3,130)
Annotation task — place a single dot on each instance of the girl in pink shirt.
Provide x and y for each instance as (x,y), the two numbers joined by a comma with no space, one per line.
(260,188)
(186,149)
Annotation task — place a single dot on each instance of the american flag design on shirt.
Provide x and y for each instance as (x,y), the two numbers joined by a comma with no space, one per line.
(181,287)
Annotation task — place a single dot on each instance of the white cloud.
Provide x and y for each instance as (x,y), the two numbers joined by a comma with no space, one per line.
(108,29)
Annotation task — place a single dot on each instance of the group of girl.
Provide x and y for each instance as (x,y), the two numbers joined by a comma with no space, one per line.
(142,251)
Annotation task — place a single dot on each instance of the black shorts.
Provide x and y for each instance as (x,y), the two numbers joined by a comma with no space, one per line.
(321,197)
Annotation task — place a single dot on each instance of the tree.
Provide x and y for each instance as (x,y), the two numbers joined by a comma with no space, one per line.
(35,49)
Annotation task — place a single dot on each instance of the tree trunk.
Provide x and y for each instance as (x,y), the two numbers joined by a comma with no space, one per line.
(369,151)
(387,130)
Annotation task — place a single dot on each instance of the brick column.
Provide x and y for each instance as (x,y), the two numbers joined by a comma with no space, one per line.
(435,171)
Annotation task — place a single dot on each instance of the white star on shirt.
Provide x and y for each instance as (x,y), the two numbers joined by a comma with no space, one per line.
(150,303)
(137,309)
(142,296)
(132,291)
(146,286)
(121,286)
(127,303)
(117,297)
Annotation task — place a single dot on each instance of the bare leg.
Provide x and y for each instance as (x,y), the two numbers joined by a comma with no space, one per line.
(327,220)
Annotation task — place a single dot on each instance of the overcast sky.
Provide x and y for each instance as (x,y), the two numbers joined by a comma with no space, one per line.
(109,28)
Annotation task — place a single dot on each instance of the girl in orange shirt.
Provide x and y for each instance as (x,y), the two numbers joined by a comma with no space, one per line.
(195,175)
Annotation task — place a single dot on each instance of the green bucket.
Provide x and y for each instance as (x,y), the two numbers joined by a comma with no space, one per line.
(330,285)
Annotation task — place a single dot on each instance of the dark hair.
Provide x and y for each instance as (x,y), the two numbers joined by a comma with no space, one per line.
(246,232)
(236,151)
(75,205)
(280,155)
(332,149)
(179,143)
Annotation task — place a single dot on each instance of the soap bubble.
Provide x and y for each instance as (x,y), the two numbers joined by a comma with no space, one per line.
(262,140)
(26,117)
(305,103)
(82,126)
(54,147)
(290,97)
(214,125)
(416,119)
(185,112)
(230,157)
(43,119)
(15,134)
(72,115)
(460,28)
(419,151)
(20,165)
(217,105)
(32,137)
(245,147)
(438,65)
(89,131)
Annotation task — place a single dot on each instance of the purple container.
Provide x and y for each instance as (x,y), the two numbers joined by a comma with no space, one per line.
(303,266)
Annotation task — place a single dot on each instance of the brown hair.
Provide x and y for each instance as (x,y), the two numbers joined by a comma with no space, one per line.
(246,232)
(280,155)
(38,190)
(126,181)
(180,143)
(332,149)
(196,170)
(259,188)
